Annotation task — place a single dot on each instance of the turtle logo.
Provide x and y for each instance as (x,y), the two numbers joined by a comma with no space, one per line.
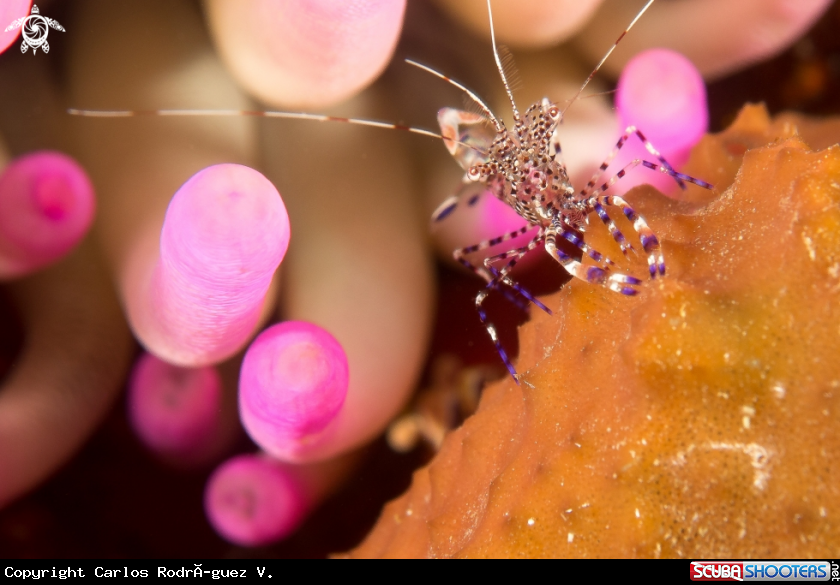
(34,29)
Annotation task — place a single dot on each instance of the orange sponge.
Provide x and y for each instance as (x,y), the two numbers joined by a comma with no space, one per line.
(698,419)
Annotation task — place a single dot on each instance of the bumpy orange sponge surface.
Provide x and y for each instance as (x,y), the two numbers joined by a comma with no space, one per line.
(698,419)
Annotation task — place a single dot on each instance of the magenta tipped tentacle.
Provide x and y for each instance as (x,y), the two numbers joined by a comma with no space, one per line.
(47,205)
(175,411)
(226,231)
(661,92)
(615,281)
(251,500)
(292,385)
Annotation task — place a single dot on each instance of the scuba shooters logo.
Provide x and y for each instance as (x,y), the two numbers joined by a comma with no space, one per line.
(761,571)
(34,29)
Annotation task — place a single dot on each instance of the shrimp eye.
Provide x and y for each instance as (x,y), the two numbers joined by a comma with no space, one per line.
(554,112)
(474,172)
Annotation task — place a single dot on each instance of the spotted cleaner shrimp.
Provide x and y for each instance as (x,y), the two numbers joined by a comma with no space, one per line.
(524,168)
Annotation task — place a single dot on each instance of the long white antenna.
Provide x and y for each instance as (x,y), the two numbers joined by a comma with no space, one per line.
(499,63)
(598,66)
(484,107)
(261,114)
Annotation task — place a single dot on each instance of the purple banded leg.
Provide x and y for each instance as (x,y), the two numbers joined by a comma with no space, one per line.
(650,243)
(616,234)
(596,200)
(445,209)
(571,237)
(501,276)
(664,163)
(449,205)
(648,165)
(678,176)
(461,253)
(494,336)
(520,304)
(490,278)
(615,281)
(499,279)
(630,131)
(612,180)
